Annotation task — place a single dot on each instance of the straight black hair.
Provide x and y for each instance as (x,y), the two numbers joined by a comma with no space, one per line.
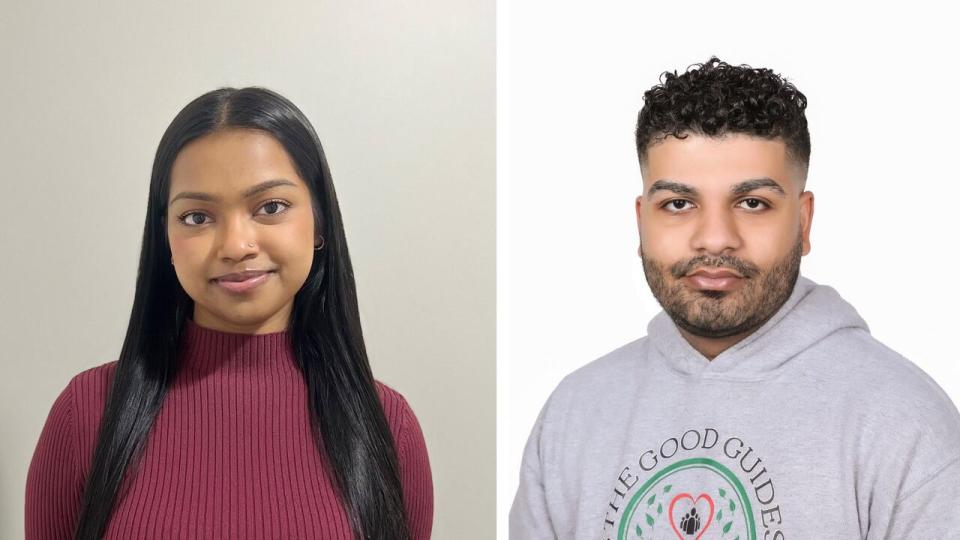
(348,423)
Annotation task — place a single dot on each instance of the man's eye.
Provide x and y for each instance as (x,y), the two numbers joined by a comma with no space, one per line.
(674,205)
(680,204)
(756,203)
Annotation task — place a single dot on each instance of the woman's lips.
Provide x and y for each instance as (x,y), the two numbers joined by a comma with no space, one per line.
(244,286)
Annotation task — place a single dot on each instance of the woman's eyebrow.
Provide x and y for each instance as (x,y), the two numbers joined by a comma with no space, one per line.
(250,192)
(737,189)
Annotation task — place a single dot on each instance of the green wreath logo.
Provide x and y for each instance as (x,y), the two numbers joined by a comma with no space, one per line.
(720,510)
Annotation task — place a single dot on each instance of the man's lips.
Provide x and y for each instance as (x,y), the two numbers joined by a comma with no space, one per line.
(721,280)
(714,273)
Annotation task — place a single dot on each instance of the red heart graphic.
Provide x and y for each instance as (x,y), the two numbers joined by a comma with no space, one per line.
(688,496)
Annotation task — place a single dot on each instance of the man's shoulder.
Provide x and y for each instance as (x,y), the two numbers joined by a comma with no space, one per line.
(908,427)
(895,391)
(594,378)
(870,364)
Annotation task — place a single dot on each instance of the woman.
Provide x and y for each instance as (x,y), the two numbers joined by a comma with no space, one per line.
(242,404)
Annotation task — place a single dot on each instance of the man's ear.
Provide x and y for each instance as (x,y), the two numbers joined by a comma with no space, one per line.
(637,207)
(806,218)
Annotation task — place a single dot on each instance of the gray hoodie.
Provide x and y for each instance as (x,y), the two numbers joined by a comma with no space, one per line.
(809,428)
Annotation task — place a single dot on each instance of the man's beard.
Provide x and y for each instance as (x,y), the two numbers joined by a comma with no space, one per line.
(719,314)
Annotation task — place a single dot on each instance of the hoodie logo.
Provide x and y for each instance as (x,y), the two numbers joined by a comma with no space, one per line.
(698,486)
(690,522)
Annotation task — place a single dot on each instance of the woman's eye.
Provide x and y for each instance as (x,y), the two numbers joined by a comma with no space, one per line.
(274,205)
(185,217)
(272,208)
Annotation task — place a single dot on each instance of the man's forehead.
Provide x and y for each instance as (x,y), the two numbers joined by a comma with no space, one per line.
(732,149)
(717,163)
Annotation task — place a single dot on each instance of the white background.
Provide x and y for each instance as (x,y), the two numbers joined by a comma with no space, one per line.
(883,117)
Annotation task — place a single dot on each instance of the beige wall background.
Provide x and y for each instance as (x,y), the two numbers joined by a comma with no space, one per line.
(403,98)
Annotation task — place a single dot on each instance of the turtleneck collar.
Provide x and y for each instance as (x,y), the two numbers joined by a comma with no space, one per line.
(810,314)
(206,349)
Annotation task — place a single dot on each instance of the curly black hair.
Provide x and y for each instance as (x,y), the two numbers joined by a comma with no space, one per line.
(716,98)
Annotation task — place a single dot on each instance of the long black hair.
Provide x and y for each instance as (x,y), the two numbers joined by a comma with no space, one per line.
(347,418)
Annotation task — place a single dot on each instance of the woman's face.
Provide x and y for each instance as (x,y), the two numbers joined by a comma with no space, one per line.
(238,204)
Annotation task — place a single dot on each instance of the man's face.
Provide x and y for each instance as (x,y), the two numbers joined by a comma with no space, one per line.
(697,213)
(271,229)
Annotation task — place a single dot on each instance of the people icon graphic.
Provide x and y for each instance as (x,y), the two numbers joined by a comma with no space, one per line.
(690,523)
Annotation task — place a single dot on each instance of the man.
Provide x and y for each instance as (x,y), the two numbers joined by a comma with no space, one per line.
(758,406)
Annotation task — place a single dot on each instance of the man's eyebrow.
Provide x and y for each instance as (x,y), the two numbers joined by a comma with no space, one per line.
(250,192)
(737,189)
(757,183)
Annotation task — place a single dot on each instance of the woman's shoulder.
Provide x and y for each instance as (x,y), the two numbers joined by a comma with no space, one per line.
(76,412)
(88,390)
(411,448)
(395,406)
(91,385)
(96,374)
(403,423)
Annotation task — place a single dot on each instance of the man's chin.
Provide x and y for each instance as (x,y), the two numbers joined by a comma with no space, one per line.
(706,330)
(705,298)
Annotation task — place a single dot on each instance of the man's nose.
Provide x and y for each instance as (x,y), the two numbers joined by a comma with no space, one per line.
(716,231)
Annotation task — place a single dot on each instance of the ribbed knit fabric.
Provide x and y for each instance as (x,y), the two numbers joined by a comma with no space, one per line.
(229,456)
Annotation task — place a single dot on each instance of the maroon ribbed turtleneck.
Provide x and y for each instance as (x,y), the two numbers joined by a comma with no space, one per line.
(229,456)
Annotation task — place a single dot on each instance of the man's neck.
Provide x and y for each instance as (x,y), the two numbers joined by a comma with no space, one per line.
(712,347)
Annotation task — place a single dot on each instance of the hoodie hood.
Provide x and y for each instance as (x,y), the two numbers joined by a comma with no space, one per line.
(810,314)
